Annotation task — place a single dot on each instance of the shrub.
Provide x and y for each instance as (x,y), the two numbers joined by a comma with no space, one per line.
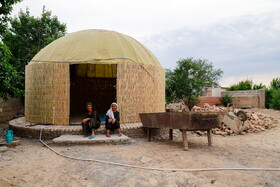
(260,86)
(275,99)
(275,83)
(242,85)
(268,97)
(227,99)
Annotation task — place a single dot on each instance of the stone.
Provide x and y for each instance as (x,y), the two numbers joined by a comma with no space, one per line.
(255,116)
(145,159)
(206,105)
(3,148)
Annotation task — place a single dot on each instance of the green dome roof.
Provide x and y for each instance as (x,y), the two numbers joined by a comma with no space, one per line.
(96,46)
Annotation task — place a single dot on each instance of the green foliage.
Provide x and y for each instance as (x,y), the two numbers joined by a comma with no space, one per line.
(170,97)
(5,10)
(9,79)
(227,99)
(260,86)
(185,83)
(275,99)
(268,97)
(272,95)
(242,85)
(27,35)
(275,83)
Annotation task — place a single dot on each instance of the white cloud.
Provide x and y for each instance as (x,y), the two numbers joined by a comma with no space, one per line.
(256,78)
(143,18)
(245,46)
(240,37)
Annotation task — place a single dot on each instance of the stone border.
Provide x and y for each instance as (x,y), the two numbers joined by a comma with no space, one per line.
(22,128)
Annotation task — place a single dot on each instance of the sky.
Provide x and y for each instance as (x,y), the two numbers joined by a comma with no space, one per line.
(240,37)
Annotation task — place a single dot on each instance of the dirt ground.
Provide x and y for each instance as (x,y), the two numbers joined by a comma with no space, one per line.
(32,164)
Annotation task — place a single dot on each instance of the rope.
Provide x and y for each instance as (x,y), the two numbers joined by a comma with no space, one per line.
(158,169)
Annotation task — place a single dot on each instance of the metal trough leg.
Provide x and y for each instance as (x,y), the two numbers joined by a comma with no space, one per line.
(209,136)
(170,134)
(185,140)
(149,134)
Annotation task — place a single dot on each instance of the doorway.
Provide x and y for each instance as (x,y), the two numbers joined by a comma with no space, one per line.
(94,83)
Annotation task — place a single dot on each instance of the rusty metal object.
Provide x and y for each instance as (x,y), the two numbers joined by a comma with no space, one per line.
(187,121)
(182,120)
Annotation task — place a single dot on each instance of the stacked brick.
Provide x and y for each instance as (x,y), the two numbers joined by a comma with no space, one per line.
(256,121)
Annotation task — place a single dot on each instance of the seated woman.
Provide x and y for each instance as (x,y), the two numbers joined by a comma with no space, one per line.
(113,120)
(91,121)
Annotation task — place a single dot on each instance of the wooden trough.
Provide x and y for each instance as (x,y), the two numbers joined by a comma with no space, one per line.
(186,121)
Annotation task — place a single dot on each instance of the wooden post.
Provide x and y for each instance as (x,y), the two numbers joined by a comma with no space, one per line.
(185,140)
(209,136)
(170,134)
(149,134)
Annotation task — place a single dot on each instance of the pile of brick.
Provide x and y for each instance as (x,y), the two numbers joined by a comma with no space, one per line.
(256,121)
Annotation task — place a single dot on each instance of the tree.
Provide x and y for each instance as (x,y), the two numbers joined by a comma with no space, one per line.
(9,79)
(242,85)
(27,35)
(275,83)
(185,83)
(170,96)
(259,86)
(5,10)
(272,95)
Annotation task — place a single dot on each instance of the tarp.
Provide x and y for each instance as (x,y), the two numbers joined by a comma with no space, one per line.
(96,47)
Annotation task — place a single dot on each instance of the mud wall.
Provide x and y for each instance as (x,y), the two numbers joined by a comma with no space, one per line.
(10,109)
(243,98)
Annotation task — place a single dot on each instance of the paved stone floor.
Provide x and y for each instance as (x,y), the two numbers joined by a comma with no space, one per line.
(98,139)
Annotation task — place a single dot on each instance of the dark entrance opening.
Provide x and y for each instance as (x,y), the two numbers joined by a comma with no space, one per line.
(91,83)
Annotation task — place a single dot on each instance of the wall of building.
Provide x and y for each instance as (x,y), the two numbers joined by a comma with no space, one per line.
(241,98)
(210,100)
(244,98)
(217,92)
(10,109)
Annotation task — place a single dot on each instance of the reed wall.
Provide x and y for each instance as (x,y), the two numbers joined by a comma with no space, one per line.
(47,93)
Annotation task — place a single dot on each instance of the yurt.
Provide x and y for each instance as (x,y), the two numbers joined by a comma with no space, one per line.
(99,66)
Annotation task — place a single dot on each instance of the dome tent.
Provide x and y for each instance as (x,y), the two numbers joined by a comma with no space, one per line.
(93,65)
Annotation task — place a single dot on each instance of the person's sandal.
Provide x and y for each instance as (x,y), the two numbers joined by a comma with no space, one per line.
(120,134)
(91,137)
(108,135)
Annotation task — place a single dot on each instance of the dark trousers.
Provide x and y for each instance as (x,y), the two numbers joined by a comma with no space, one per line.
(112,126)
(90,126)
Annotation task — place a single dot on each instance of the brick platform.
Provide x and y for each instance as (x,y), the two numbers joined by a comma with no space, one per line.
(22,128)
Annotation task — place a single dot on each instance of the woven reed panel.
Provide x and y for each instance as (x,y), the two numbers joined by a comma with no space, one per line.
(47,86)
(140,89)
